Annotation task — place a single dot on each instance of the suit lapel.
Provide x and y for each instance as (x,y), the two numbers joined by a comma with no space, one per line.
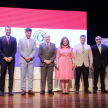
(30,43)
(50,46)
(10,40)
(80,49)
(102,48)
(5,40)
(96,47)
(25,41)
(85,49)
(44,45)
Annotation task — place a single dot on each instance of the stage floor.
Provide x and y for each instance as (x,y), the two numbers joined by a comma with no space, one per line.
(57,100)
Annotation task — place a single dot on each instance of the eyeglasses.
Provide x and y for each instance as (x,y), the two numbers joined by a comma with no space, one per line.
(98,39)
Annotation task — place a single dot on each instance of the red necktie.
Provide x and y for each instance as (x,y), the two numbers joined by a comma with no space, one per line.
(8,39)
(47,46)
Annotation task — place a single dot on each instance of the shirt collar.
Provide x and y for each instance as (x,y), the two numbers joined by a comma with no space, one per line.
(48,43)
(98,45)
(82,44)
(7,36)
(27,38)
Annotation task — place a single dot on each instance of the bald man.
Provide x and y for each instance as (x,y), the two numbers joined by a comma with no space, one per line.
(47,54)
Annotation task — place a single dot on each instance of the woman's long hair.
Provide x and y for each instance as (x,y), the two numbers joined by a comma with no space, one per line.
(61,43)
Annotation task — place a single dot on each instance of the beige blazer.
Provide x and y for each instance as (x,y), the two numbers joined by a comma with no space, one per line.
(80,58)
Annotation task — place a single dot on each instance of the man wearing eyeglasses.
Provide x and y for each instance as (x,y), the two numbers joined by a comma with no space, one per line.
(100,62)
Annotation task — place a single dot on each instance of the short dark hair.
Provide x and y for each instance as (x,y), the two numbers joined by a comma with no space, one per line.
(63,40)
(82,36)
(7,27)
(28,29)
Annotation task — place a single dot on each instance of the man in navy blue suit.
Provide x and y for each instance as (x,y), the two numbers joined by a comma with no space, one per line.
(8,47)
(100,62)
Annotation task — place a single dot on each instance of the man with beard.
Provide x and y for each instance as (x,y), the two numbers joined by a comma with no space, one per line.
(8,47)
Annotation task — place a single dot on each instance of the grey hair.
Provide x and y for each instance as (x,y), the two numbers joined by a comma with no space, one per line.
(46,35)
(98,37)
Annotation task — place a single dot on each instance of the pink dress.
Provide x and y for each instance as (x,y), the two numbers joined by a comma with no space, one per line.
(65,56)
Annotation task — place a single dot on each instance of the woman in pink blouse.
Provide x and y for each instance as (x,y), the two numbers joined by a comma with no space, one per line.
(64,66)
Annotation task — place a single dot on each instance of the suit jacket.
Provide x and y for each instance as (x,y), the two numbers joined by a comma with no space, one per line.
(100,60)
(0,58)
(8,50)
(25,50)
(44,54)
(79,58)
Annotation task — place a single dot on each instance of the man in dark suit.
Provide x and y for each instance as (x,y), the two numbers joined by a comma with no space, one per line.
(100,56)
(8,47)
(47,54)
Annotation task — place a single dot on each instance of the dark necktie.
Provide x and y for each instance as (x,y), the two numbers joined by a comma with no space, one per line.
(48,46)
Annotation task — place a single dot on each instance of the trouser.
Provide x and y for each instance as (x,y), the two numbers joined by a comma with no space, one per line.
(27,67)
(4,66)
(85,71)
(47,72)
(100,71)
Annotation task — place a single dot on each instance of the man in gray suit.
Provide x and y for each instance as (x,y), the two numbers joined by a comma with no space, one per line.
(83,59)
(27,50)
(47,54)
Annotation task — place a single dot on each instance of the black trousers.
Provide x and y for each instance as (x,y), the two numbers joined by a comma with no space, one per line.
(4,66)
(0,74)
(100,71)
(85,71)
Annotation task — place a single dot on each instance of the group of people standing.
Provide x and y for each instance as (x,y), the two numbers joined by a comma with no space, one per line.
(81,57)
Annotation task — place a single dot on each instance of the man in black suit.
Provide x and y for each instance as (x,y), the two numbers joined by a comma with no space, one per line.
(8,47)
(100,56)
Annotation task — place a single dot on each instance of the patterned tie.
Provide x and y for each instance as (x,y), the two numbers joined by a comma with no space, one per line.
(8,40)
(83,48)
(48,46)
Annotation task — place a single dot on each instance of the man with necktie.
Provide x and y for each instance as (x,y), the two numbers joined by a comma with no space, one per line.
(8,47)
(27,50)
(100,62)
(47,54)
(83,59)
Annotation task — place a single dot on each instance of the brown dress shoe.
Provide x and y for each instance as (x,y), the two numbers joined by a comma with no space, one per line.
(23,92)
(31,92)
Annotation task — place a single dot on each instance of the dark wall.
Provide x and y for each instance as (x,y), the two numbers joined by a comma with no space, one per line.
(97,12)
(97,24)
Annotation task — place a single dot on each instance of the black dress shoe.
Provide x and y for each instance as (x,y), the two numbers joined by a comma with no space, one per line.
(63,92)
(42,92)
(1,94)
(66,92)
(11,94)
(94,91)
(51,92)
(104,91)
(77,91)
(87,91)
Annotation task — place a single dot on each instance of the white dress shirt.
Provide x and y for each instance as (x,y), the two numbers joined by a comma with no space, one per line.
(28,42)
